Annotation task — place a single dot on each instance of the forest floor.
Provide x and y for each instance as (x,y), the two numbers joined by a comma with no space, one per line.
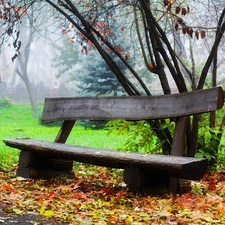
(97,195)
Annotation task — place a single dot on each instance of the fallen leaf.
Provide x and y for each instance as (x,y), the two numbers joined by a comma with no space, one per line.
(8,187)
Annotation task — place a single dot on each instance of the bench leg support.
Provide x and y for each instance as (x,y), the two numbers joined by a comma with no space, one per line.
(141,181)
(32,165)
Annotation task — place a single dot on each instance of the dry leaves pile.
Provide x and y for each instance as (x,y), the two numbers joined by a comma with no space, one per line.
(98,196)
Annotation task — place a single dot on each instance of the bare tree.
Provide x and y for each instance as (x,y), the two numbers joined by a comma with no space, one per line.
(22,61)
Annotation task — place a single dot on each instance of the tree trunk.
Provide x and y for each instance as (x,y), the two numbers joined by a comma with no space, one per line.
(22,61)
(29,88)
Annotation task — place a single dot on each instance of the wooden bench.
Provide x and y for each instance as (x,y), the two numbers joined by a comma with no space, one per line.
(140,170)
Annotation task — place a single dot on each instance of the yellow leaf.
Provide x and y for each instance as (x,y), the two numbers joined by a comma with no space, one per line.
(48,213)
(42,210)
(17,211)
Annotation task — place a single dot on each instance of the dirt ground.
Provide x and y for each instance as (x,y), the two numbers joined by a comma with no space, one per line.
(25,219)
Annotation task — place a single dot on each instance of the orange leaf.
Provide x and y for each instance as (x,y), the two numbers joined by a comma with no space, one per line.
(8,187)
(51,194)
(211,186)
(89,42)
(24,11)
(118,49)
(108,31)
(113,219)
(101,24)
(151,66)
(127,56)
(16,9)
(75,186)
(77,196)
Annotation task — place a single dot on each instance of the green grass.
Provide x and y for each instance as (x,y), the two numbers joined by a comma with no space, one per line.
(17,121)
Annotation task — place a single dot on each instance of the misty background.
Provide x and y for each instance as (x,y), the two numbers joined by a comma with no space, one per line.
(53,63)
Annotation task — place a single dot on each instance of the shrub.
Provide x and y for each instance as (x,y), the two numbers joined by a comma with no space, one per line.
(141,137)
(5,103)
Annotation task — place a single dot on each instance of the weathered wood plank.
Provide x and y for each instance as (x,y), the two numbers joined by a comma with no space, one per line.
(64,131)
(133,108)
(174,166)
(178,149)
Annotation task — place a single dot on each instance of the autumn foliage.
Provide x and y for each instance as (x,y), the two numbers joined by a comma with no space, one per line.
(97,195)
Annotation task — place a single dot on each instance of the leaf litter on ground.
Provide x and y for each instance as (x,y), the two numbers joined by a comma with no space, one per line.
(97,195)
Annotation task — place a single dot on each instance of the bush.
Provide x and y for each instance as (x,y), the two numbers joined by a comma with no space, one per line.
(141,137)
(5,103)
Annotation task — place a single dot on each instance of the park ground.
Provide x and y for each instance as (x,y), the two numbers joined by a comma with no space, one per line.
(97,195)
(94,195)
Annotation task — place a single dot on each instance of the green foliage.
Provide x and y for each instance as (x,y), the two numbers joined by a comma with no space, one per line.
(5,103)
(141,138)
(210,143)
(92,124)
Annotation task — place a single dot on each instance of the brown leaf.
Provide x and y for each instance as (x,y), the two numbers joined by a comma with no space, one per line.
(177,9)
(190,32)
(181,22)
(127,56)
(202,34)
(176,26)
(169,6)
(188,9)
(184,30)
(183,11)
(197,34)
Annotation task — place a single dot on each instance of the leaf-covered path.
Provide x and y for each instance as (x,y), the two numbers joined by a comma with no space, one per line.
(97,195)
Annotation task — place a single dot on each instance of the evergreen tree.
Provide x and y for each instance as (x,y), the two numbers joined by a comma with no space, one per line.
(90,74)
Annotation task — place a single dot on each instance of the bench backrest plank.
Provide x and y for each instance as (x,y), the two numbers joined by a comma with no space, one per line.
(133,107)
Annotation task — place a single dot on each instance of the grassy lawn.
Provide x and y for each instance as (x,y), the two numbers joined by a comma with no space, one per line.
(17,121)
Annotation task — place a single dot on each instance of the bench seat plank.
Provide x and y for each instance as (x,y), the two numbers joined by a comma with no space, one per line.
(174,166)
(133,107)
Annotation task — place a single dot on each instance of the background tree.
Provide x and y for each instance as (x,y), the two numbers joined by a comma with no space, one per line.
(89,78)
(22,60)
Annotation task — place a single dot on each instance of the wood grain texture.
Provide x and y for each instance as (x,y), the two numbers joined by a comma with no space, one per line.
(64,131)
(174,166)
(133,107)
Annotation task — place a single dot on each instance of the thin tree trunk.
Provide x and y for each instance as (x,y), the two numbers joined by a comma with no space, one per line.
(29,88)
(21,69)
